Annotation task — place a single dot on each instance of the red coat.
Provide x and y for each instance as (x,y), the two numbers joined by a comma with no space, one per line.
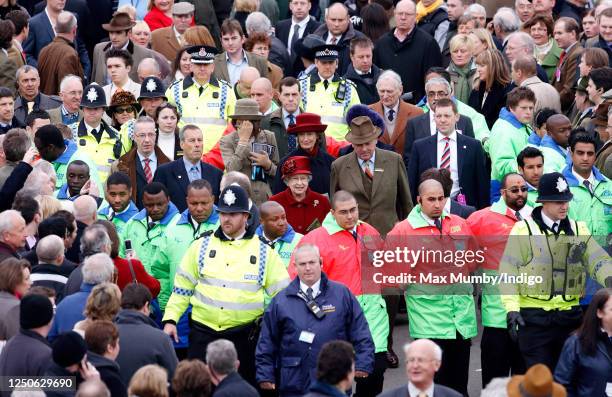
(341,253)
(301,214)
(125,275)
(157,19)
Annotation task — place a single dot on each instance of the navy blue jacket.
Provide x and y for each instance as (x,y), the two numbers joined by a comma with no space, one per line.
(581,374)
(285,320)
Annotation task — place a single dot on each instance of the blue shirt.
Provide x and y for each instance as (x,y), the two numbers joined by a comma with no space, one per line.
(196,173)
(234,69)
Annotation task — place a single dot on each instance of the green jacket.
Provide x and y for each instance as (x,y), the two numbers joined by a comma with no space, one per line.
(508,137)
(284,245)
(595,210)
(173,244)
(146,243)
(71,154)
(119,220)
(438,311)
(481,130)
(551,60)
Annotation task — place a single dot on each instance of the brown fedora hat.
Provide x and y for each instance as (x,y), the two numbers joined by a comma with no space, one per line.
(537,382)
(362,130)
(246,109)
(120,21)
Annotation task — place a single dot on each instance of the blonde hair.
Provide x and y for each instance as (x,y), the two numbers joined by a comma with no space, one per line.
(151,4)
(245,5)
(150,380)
(49,205)
(485,37)
(198,35)
(103,303)
(460,40)
(128,9)
(141,25)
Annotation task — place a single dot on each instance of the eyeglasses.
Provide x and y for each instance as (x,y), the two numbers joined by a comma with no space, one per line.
(437,94)
(515,190)
(128,109)
(148,135)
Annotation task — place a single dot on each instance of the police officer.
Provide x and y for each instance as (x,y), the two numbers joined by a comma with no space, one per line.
(311,311)
(276,231)
(202,99)
(93,135)
(327,94)
(543,312)
(225,276)
(152,96)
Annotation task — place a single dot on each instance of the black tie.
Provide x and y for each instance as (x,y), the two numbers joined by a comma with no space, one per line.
(97,134)
(200,90)
(325,84)
(555,228)
(518,215)
(295,37)
(354,233)
(291,119)
(309,294)
(438,224)
(391,115)
(587,184)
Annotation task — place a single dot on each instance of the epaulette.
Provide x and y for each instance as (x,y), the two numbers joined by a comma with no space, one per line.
(265,241)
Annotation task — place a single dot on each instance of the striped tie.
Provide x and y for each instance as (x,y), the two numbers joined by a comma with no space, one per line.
(446,154)
(147,170)
(367,170)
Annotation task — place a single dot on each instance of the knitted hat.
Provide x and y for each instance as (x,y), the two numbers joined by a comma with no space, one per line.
(35,311)
(69,348)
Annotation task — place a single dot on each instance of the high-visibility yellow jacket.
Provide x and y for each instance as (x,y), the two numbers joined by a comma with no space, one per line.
(209,110)
(561,261)
(226,281)
(331,103)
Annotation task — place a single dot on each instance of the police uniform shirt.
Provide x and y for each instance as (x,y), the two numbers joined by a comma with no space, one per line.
(316,288)
(329,80)
(549,222)
(98,129)
(152,163)
(234,239)
(416,392)
(454,168)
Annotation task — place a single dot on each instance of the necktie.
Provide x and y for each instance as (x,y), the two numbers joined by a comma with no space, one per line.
(200,90)
(291,139)
(354,233)
(555,228)
(30,106)
(367,170)
(333,40)
(391,115)
(446,155)
(97,134)
(587,184)
(518,215)
(309,294)
(193,173)
(147,170)
(558,71)
(325,84)
(295,37)
(438,224)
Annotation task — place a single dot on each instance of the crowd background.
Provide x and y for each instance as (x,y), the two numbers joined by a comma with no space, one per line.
(186,188)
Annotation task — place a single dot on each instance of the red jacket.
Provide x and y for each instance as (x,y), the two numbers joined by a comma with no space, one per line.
(125,275)
(491,227)
(341,253)
(157,19)
(301,214)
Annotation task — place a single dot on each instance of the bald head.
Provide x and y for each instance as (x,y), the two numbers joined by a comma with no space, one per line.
(148,67)
(85,208)
(247,77)
(337,19)
(405,16)
(430,186)
(270,207)
(262,83)
(262,92)
(405,5)
(559,128)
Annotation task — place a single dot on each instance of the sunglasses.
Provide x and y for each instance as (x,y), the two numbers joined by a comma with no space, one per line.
(128,109)
(515,190)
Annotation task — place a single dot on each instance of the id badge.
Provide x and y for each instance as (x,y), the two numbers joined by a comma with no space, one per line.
(307,337)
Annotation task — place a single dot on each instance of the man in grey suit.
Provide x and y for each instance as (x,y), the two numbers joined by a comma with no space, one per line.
(423,360)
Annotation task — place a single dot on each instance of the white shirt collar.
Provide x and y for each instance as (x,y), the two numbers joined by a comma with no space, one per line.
(90,128)
(286,113)
(414,391)
(581,180)
(429,220)
(152,157)
(316,287)
(395,108)
(452,136)
(360,73)
(237,238)
(547,221)
(50,22)
(302,24)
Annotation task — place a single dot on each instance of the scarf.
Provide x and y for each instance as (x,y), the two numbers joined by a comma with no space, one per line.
(422,11)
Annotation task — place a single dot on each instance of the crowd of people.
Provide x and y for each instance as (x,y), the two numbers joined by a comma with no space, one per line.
(192,193)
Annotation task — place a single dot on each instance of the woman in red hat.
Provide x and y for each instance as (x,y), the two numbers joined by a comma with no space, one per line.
(310,139)
(305,208)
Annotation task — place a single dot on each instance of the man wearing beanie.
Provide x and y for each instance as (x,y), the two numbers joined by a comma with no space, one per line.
(69,353)
(28,353)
